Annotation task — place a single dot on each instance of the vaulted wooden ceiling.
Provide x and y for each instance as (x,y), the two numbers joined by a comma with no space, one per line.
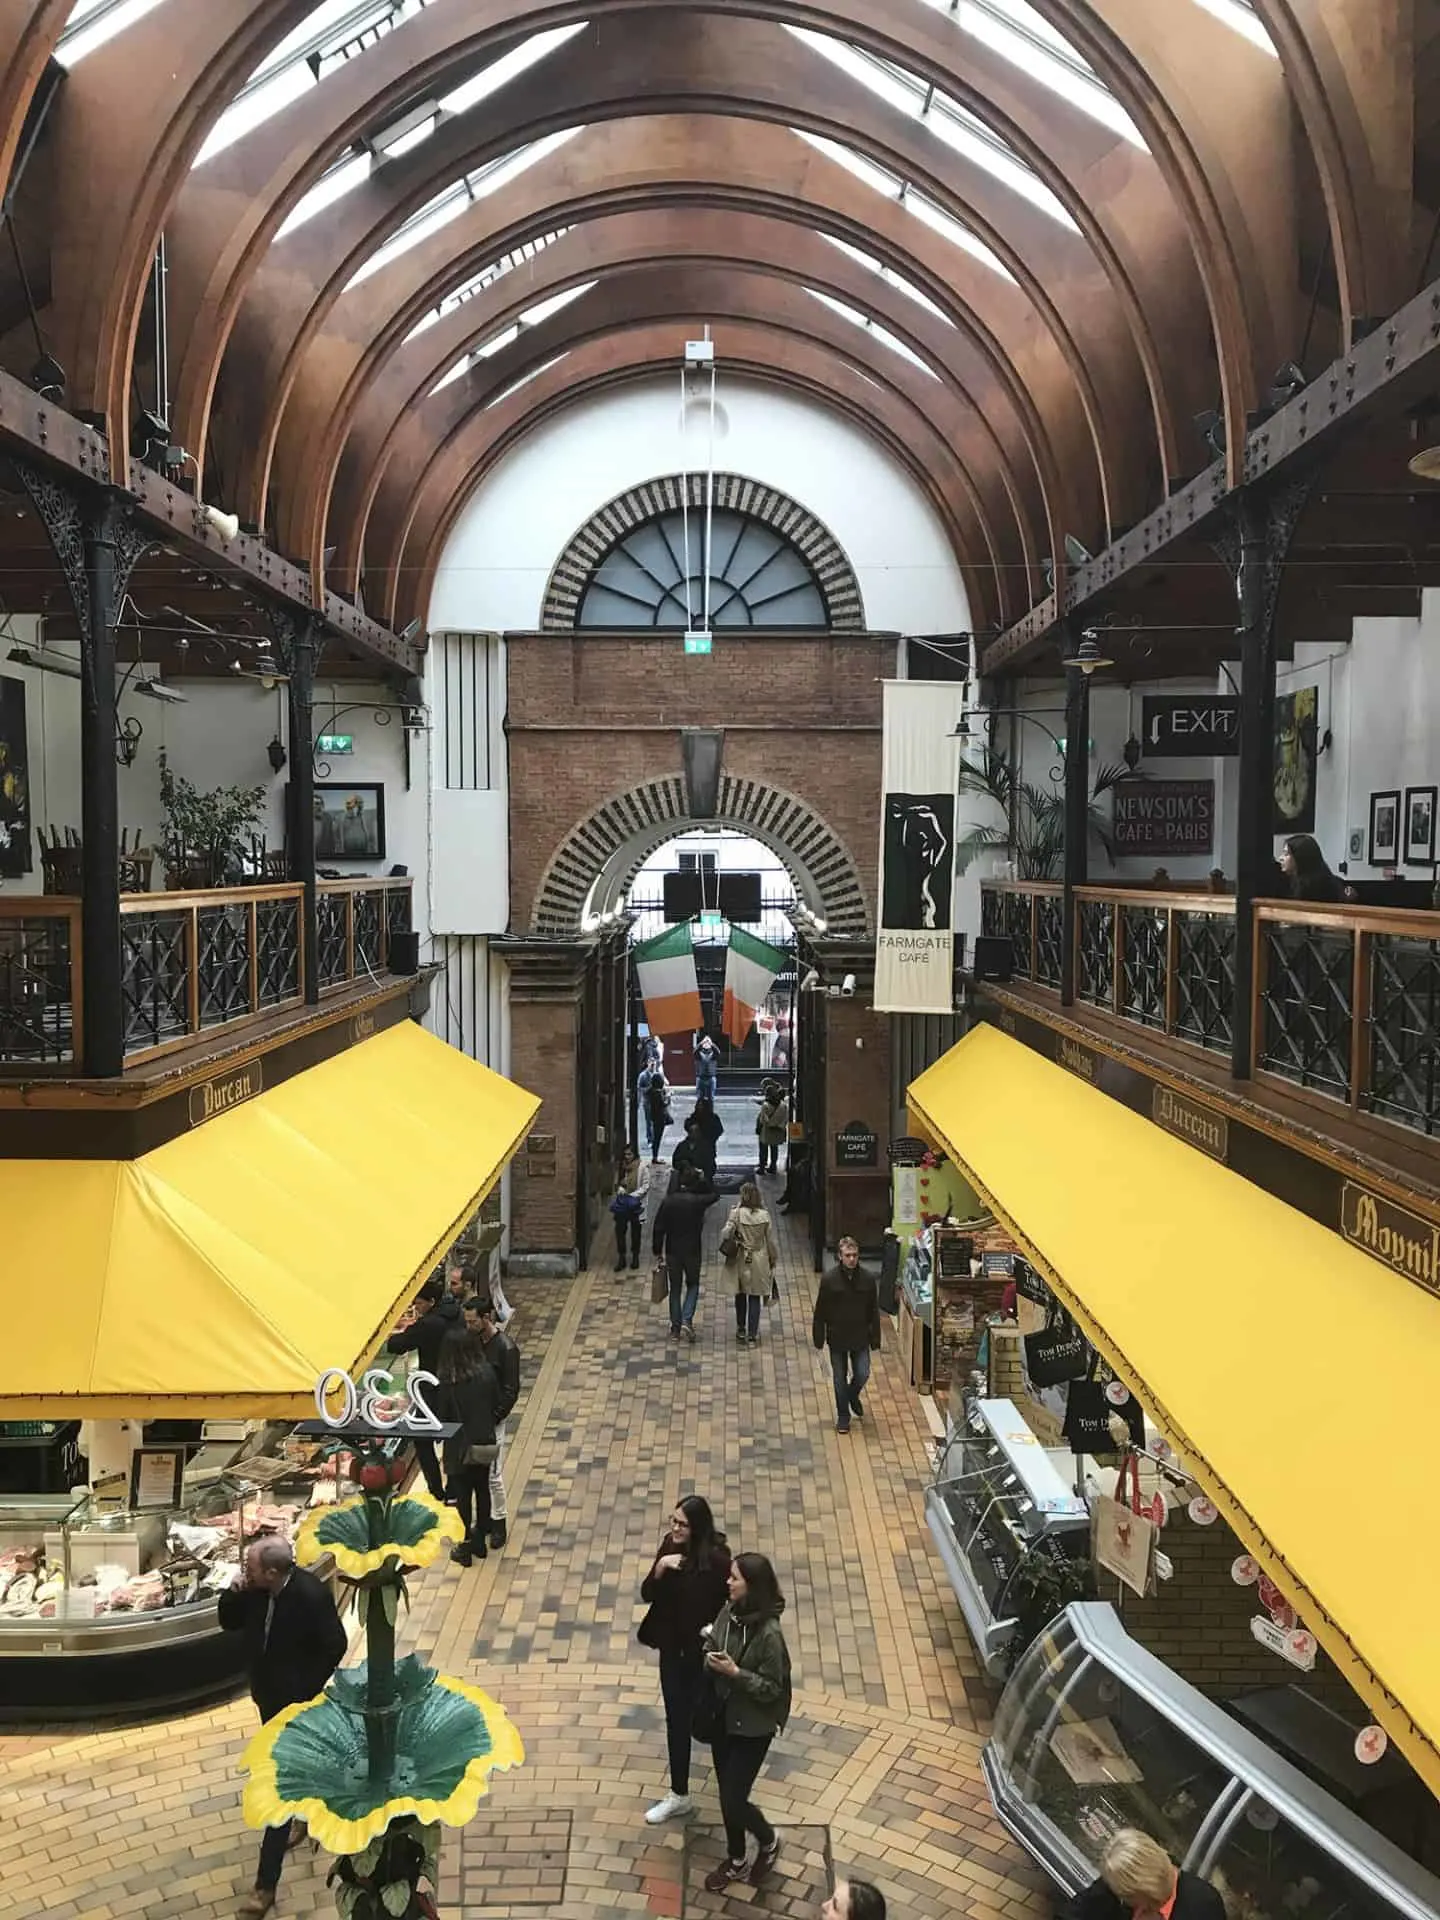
(1098,219)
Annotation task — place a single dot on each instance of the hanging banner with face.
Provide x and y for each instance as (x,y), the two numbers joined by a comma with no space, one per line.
(15,858)
(915,948)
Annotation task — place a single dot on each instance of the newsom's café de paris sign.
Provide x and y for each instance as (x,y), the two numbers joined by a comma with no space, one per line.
(1157,818)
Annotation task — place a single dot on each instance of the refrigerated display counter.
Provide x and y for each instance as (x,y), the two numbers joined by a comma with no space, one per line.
(1093,1734)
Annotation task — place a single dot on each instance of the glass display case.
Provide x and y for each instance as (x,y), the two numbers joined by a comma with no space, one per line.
(996,1496)
(106,1608)
(1093,1733)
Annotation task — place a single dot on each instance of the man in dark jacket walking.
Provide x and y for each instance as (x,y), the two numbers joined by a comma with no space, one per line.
(679,1224)
(439,1314)
(503,1356)
(847,1320)
(293,1643)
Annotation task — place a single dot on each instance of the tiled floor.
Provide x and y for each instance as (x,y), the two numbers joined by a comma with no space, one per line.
(876,1775)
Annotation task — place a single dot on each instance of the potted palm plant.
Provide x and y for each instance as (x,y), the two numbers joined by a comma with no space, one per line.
(1033,829)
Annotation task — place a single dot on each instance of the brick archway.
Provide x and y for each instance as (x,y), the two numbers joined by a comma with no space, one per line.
(845,610)
(611,846)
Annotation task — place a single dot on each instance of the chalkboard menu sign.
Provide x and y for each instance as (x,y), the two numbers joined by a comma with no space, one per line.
(857,1145)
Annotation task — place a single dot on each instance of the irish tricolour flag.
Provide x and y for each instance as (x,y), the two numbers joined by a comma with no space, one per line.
(750,966)
(665,969)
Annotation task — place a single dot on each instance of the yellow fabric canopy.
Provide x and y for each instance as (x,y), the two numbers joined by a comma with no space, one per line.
(221,1273)
(1296,1376)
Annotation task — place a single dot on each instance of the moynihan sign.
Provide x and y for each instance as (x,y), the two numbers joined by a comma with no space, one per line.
(1405,1242)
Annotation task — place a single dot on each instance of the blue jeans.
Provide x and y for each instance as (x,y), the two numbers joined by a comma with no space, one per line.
(851,1369)
(705,1084)
(747,1313)
(684,1276)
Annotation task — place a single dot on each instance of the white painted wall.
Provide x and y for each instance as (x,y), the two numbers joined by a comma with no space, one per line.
(499,558)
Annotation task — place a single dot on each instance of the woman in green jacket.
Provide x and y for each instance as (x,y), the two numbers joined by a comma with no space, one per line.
(750,1664)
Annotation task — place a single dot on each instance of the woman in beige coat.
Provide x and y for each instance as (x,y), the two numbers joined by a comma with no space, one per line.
(751,1257)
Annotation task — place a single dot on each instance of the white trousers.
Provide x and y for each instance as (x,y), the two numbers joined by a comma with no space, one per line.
(498,1508)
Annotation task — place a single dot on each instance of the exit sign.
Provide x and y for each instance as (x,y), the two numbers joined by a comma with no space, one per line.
(697,643)
(335,743)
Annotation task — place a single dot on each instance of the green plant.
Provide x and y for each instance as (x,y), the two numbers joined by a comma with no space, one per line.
(1034,828)
(1045,1585)
(205,826)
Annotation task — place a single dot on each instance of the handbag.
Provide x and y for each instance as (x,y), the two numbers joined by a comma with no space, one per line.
(1122,1539)
(729,1241)
(659,1283)
(1088,1412)
(1059,1352)
(1029,1285)
(481,1455)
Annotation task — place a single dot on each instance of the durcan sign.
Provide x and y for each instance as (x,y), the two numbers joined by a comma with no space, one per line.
(1164,817)
(1190,726)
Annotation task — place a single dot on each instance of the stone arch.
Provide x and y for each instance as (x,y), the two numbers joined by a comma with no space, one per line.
(823,553)
(620,835)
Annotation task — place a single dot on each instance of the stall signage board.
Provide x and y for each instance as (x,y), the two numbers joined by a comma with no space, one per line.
(1164,817)
(1190,726)
(1189,1121)
(1291,1643)
(1406,1242)
(157,1477)
(857,1145)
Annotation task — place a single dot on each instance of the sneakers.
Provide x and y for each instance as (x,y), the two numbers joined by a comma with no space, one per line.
(688,1332)
(675,1806)
(674,1333)
(741,1337)
(498,1533)
(856,1408)
(842,1426)
(468,1552)
(764,1861)
(725,1875)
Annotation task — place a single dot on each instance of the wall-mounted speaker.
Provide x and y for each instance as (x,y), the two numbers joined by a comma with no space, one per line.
(994,958)
(405,953)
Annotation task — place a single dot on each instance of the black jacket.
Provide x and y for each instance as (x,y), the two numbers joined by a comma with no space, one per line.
(679,1223)
(1195,1899)
(428,1333)
(472,1402)
(504,1357)
(682,1604)
(847,1310)
(306,1643)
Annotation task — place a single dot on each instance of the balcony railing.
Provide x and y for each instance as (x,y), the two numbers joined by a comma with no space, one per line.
(191,963)
(1347,1002)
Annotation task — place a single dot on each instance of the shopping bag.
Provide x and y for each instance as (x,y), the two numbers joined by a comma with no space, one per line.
(1122,1540)
(659,1283)
(1089,1410)
(1060,1352)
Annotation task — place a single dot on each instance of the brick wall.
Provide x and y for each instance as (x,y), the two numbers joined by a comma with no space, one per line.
(543,1041)
(591,717)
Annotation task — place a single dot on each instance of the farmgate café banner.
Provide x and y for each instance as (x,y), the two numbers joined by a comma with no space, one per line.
(915,946)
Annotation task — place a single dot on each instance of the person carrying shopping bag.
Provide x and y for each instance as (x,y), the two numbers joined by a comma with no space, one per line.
(751,1257)
(627,1208)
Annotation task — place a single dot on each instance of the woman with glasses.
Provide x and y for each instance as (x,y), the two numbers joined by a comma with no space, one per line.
(684,1589)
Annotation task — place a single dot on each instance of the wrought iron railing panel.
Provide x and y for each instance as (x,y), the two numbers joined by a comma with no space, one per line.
(1095,953)
(369,929)
(1017,927)
(1049,938)
(37,1003)
(1306,1015)
(1205,979)
(222,962)
(397,910)
(277,948)
(154,977)
(1404,1041)
(994,906)
(334,954)
(1143,963)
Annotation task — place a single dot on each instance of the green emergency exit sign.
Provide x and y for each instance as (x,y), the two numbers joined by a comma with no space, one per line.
(697,643)
(335,743)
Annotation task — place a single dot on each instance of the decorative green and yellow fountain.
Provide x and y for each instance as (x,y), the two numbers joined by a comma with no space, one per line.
(391,1751)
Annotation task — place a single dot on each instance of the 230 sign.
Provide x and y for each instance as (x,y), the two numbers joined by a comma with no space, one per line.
(373,1404)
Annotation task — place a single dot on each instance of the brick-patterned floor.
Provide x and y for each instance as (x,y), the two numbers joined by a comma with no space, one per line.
(876,1775)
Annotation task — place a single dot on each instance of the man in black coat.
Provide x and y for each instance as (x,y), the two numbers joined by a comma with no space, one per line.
(439,1314)
(675,1239)
(293,1643)
(503,1355)
(847,1320)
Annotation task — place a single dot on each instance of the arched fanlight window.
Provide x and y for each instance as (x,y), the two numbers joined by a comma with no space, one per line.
(654,577)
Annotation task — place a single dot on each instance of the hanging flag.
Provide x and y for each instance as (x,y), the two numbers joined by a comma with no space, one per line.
(915,950)
(665,970)
(750,966)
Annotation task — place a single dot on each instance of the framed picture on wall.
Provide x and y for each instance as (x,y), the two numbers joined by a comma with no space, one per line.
(349,820)
(15,858)
(1420,826)
(1296,722)
(1385,828)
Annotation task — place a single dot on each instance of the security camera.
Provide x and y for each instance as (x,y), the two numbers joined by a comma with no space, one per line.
(847,985)
(810,982)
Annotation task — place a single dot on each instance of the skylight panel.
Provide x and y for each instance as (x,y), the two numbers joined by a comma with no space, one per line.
(894,188)
(453,201)
(1244,19)
(1025,38)
(497,343)
(890,277)
(882,334)
(329,188)
(487,277)
(508,67)
(93,22)
(524,381)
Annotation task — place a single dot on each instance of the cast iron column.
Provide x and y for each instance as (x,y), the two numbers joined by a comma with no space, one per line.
(300,694)
(102,992)
(1077,819)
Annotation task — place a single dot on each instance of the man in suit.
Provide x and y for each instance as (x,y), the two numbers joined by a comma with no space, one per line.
(293,1643)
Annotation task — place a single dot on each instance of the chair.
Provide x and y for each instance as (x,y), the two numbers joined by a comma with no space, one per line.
(60,860)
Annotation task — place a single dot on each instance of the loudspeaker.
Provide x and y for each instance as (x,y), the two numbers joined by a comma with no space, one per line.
(405,953)
(994,958)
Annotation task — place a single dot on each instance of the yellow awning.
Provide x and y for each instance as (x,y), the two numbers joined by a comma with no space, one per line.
(1297,1376)
(222,1272)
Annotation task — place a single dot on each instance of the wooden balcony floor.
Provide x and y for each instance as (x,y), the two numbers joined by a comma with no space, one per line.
(1318,1126)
